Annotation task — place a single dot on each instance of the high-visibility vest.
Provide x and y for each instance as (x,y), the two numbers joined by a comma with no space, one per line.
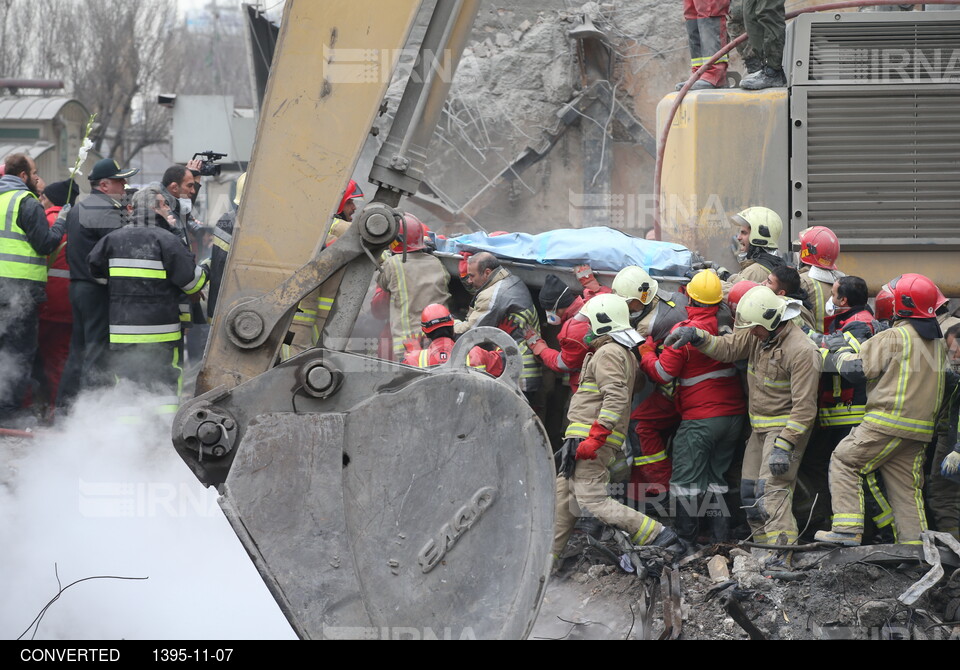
(18,260)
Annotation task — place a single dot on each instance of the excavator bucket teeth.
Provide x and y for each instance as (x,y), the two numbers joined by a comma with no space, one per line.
(423,512)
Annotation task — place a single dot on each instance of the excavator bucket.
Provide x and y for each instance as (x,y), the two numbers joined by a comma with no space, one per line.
(418,504)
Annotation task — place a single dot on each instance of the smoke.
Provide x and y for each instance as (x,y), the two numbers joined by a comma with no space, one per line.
(105,497)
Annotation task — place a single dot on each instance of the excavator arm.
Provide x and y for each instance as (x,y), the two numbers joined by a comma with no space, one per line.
(371,496)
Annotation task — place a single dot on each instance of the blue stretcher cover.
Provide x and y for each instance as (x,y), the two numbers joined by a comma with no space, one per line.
(601,248)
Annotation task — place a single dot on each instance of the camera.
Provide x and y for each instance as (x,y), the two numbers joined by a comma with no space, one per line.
(209,167)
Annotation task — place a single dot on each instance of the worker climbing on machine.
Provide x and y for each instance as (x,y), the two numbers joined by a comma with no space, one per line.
(706,23)
(599,414)
(712,410)
(758,237)
(904,371)
(409,280)
(436,323)
(783,376)
(819,250)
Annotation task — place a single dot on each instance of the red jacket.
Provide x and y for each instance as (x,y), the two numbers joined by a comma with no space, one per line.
(569,359)
(57,306)
(438,353)
(834,389)
(719,394)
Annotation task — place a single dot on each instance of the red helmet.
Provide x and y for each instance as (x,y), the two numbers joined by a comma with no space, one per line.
(819,247)
(916,296)
(884,308)
(738,290)
(409,236)
(435,316)
(353,191)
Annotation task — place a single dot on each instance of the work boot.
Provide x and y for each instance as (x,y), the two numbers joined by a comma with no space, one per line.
(698,85)
(839,537)
(768,77)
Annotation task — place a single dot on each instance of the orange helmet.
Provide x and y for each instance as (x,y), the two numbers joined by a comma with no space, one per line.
(435,316)
(353,191)
(738,291)
(916,296)
(820,247)
(409,235)
(884,308)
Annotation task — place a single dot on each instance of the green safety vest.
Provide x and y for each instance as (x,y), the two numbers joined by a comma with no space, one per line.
(18,260)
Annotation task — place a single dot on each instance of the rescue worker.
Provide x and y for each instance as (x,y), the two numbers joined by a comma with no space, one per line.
(503,300)
(903,368)
(313,310)
(783,376)
(148,269)
(598,415)
(222,239)
(410,279)
(766,27)
(785,282)
(706,23)
(25,241)
(819,250)
(436,322)
(712,410)
(758,236)
(563,306)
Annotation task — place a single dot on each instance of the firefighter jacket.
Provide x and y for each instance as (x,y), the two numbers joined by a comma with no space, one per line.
(757,266)
(25,238)
(88,222)
(439,350)
(905,377)
(569,358)
(842,402)
(148,271)
(705,388)
(420,281)
(506,297)
(783,374)
(662,314)
(605,393)
(818,283)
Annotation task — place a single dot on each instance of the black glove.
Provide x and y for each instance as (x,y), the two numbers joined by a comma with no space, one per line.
(835,342)
(568,457)
(779,462)
(682,336)
(723,273)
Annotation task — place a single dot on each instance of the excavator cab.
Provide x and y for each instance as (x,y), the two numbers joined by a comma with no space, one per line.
(371,496)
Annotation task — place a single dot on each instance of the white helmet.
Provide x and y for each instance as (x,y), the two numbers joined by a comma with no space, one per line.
(761,307)
(608,314)
(633,283)
(765,226)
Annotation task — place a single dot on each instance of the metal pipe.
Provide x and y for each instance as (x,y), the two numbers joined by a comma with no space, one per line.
(662,142)
(50,84)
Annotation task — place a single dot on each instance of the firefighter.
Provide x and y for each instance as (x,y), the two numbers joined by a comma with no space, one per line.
(758,236)
(712,410)
(783,376)
(313,310)
(903,368)
(436,323)
(148,269)
(765,24)
(706,22)
(599,414)
(222,239)
(945,495)
(411,279)
(563,306)
(785,282)
(819,249)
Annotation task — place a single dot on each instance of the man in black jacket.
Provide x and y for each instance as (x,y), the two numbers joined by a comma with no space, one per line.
(25,241)
(92,219)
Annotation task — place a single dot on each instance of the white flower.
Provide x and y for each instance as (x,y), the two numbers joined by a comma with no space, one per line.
(86,146)
(82,156)
(75,172)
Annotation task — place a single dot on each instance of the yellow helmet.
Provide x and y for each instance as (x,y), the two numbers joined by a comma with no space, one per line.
(765,226)
(760,307)
(705,288)
(241,180)
(633,283)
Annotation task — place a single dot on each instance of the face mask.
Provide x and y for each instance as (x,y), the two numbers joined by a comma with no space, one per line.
(832,309)
(553,319)
(185,205)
